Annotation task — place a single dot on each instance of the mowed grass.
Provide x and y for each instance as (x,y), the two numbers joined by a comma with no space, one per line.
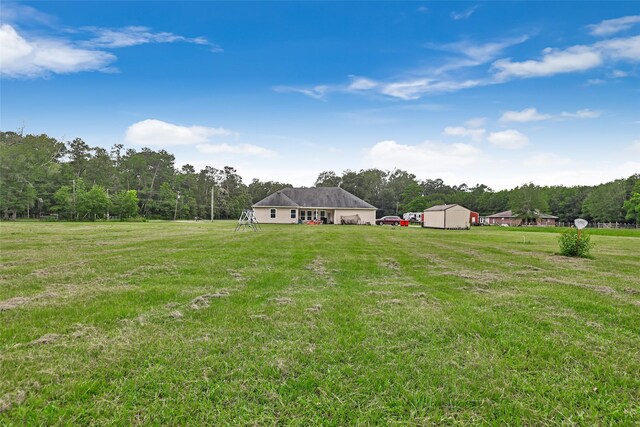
(192,324)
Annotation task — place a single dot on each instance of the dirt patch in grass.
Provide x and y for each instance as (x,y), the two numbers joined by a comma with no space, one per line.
(10,400)
(573,262)
(84,331)
(631,291)
(59,269)
(391,264)
(368,293)
(176,315)
(314,309)
(235,274)
(12,303)
(318,268)
(16,302)
(283,300)
(259,317)
(483,277)
(393,301)
(202,301)
(607,290)
(46,339)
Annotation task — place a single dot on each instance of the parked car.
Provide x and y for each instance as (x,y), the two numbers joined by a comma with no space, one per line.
(389,220)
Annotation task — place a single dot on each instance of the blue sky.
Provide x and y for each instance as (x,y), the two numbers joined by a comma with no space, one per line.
(500,93)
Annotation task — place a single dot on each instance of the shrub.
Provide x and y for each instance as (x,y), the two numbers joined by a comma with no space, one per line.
(572,245)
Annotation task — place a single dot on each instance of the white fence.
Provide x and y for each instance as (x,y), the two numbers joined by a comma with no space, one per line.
(601,225)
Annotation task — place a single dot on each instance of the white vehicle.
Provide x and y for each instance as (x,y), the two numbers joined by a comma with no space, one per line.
(412,216)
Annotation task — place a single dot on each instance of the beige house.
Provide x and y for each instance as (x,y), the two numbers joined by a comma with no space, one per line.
(451,217)
(331,205)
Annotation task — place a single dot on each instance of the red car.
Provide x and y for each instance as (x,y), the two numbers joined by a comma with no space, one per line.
(390,220)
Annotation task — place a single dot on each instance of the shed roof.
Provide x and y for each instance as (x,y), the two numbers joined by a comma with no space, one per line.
(318,197)
(442,207)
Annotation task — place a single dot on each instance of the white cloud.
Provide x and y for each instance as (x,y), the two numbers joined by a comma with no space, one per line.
(620,49)
(510,139)
(477,53)
(476,122)
(612,26)
(23,58)
(243,149)
(546,161)
(475,134)
(575,58)
(415,89)
(433,157)
(526,115)
(635,146)
(423,9)
(532,115)
(581,114)
(133,36)
(465,14)
(316,92)
(157,133)
(15,12)
(617,74)
(361,83)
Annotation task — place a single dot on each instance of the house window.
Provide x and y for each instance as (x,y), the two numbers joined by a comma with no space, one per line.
(293,214)
(323,214)
(273,213)
(309,215)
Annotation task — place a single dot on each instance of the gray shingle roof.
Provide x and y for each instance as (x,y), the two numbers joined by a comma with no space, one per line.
(509,214)
(317,197)
(276,199)
(505,214)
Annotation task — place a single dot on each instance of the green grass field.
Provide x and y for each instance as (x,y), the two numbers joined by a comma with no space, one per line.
(193,324)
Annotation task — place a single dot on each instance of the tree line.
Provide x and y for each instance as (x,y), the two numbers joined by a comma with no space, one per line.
(41,176)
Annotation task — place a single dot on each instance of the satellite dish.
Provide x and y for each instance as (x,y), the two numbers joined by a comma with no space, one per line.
(580,223)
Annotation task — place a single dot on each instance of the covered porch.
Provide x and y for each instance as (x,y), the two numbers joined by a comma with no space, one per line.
(327,216)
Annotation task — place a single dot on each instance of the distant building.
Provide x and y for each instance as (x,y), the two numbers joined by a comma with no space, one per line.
(331,205)
(474,218)
(451,217)
(513,220)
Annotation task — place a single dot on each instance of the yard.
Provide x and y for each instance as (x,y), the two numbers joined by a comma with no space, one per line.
(192,324)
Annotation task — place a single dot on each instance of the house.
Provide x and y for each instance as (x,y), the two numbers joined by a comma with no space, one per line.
(331,205)
(451,217)
(513,220)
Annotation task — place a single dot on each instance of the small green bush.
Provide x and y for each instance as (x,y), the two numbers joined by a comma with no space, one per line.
(571,245)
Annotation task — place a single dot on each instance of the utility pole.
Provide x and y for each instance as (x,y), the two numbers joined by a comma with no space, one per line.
(175,212)
(74,198)
(212,188)
(107,205)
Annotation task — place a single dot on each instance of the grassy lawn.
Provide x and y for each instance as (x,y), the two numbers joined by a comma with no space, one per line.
(192,324)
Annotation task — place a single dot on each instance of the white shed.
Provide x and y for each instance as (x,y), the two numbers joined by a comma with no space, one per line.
(450,217)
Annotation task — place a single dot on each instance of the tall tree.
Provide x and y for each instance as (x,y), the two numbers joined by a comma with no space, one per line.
(328,179)
(28,165)
(528,202)
(604,203)
(125,204)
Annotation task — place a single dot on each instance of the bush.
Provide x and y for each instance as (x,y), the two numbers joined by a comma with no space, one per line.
(571,245)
